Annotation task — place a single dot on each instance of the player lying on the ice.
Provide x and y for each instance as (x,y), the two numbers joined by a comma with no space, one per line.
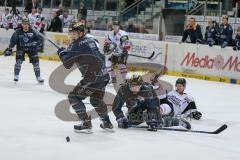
(143,105)
(177,102)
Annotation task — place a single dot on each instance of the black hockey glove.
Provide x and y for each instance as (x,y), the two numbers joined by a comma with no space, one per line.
(122,122)
(8,52)
(61,52)
(196,115)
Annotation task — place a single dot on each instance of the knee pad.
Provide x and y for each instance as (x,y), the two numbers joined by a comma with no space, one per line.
(79,107)
(74,98)
(34,58)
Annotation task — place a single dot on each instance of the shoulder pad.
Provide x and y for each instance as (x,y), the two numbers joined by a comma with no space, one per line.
(18,30)
(147,86)
(190,98)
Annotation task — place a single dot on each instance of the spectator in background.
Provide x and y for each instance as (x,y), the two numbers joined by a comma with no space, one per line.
(131,27)
(56,23)
(66,18)
(32,4)
(6,19)
(2,2)
(211,34)
(16,20)
(60,9)
(82,12)
(236,42)
(141,29)
(193,30)
(226,33)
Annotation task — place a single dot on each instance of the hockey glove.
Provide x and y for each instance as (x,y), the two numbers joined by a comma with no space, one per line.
(8,52)
(196,115)
(122,122)
(61,52)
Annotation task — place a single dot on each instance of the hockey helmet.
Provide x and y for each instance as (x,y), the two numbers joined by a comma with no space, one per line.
(181,81)
(136,80)
(79,27)
(25,20)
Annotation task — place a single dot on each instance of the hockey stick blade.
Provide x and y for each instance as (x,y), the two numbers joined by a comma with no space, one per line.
(149,57)
(219,130)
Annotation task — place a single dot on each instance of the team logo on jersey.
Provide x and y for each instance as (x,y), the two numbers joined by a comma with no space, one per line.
(30,34)
(25,39)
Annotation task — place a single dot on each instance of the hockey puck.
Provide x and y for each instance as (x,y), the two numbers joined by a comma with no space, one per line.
(68,139)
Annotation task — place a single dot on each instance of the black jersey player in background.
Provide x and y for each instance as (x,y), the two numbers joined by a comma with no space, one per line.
(28,42)
(84,52)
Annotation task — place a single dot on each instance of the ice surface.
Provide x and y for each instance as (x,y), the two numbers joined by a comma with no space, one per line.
(30,129)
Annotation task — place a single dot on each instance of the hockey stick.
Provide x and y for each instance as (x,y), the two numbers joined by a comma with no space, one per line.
(44,37)
(219,130)
(149,57)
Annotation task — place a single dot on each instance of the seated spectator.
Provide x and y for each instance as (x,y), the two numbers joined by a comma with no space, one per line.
(226,33)
(56,23)
(236,42)
(193,30)
(131,27)
(211,34)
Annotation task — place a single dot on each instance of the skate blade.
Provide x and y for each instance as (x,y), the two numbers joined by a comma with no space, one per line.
(41,83)
(109,130)
(86,131)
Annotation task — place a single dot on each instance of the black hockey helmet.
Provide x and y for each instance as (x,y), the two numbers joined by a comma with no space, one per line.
(79,27)
(136,80)
(181,81)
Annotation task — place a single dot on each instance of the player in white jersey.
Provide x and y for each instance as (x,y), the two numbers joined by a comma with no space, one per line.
(32,17)
(119,52)
(16,20)
(177,102)
(6,21)
(66,18)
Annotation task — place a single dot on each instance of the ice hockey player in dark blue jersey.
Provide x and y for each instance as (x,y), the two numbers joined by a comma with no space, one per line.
(27,42)
(84,52)
(141,101)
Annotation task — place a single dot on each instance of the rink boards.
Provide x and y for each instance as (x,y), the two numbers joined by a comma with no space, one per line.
(187,60)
